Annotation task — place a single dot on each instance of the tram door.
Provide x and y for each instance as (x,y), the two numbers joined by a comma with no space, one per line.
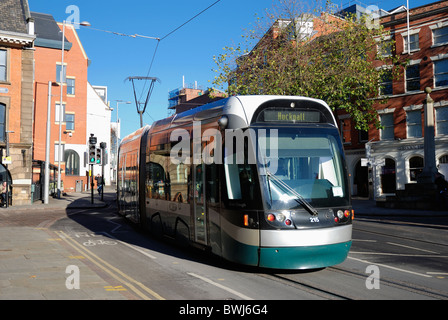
(199,207)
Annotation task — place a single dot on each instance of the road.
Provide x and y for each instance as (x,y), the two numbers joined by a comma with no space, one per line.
(390,259)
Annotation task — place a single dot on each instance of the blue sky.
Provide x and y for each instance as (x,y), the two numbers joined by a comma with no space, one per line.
(187,52)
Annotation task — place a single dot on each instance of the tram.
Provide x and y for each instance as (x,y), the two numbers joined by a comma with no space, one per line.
(257,180)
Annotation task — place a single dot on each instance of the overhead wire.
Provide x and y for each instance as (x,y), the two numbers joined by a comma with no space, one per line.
(166,36)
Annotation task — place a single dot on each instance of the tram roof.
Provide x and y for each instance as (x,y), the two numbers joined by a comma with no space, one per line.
(136,134)
(243,107)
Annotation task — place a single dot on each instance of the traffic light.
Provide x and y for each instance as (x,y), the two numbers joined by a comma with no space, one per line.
(92,154)
(98,156)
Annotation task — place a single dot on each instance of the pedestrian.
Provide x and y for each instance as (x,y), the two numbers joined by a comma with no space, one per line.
(99,183)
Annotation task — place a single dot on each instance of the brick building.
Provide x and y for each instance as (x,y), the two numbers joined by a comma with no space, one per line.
(16,98)
(396,151)
(73,108)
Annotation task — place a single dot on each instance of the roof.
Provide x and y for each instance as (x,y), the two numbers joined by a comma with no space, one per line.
(14,16)
(48,33)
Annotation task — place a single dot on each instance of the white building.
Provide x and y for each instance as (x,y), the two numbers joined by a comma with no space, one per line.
(98,124)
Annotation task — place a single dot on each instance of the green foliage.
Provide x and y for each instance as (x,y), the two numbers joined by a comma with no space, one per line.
(340,64)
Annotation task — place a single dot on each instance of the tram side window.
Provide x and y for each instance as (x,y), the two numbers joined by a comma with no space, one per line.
(241,188)
(240,180)
(155,181)
(180,176)
(212,188)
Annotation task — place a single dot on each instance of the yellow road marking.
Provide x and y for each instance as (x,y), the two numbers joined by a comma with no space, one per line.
(111,270)
(116,288)
(77,257)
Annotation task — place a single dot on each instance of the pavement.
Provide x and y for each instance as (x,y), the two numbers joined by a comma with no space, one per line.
(37,263)
(75,200)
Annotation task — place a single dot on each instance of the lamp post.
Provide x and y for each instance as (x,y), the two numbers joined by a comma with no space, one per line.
(47,145)
(117,138)
(61,78)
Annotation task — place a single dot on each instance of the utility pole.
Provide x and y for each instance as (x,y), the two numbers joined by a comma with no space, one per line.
(103,146)
(92,160)
(140,110)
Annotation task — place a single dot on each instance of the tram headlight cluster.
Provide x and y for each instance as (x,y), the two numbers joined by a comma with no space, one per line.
(342,216)
(280,218)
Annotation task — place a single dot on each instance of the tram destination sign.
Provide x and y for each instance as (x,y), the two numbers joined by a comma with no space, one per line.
(294,116)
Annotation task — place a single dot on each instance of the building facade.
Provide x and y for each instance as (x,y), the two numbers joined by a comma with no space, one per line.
(16,99)
(98,124)
(68,100)
(396,152)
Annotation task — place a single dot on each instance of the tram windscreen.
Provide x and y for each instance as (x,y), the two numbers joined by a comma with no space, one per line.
(309,161)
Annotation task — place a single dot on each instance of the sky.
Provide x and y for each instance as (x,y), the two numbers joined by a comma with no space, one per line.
(186,52)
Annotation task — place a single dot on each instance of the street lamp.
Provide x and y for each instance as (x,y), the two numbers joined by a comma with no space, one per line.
(61,78)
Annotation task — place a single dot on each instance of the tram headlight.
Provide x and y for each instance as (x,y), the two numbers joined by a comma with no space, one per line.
(271,217)
(340,214)
(281,217)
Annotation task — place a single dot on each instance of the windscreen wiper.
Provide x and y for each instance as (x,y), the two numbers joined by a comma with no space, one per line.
(301,200)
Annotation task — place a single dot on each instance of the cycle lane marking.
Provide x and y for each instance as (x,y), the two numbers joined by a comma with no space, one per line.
(111,270)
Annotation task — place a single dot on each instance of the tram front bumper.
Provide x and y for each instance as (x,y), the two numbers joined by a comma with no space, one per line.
(304,257)
(304,249)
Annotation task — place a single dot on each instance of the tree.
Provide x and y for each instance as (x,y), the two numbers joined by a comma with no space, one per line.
(330,57)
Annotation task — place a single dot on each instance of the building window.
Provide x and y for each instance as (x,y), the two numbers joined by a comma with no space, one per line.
(69,121)
(71,86)
(71,163)
(442,120)
(3,65)
(386,83)
(58,73)
(415,167)
(345,130)
(2,122)
(441,73)
(414,45)
(388,176)
(440,35)
(385,48)
(363,136)
(413,78)
(387,122)
(414,123)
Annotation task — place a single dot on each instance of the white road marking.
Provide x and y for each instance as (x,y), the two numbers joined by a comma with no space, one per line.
(390,267)
(130,246)
(414,248)
(399,254)
(242,296)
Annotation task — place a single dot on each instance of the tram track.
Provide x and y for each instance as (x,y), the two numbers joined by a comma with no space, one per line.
(410,287)
(312,286)
(306,286)
(402,237)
